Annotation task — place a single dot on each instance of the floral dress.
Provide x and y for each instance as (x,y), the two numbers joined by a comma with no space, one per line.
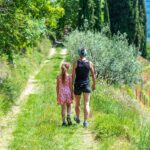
(64,91)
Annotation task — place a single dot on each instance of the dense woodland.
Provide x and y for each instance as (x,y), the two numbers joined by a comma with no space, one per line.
(126,16)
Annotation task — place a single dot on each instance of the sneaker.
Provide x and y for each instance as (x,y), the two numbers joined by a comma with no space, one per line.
(64,124)
(69,120)
(76,119)
(85,124)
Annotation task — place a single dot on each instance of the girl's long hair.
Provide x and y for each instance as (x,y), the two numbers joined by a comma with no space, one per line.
(64,69)
(63,74)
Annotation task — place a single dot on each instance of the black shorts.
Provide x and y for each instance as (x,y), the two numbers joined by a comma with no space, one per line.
(79,88)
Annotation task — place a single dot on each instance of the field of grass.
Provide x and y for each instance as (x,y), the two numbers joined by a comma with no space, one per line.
(118,124)
(39,124)
(115,123)
(13,78)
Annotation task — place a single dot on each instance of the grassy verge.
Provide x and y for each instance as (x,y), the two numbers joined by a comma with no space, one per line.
(14,78)
(117,124)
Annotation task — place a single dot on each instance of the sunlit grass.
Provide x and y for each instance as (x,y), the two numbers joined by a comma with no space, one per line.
(39,125)
(113,120)
(115,124)
(24,66)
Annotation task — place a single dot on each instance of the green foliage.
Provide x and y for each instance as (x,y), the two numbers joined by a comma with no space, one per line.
(144,137)
(125,16)
(114,59)
(117,118)
(69,19)
(89,15)
(14,78)
(24,22)
(108,125)
(117,123)
(39,124)
(128,16)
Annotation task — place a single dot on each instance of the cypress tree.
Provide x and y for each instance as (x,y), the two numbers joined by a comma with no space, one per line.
(128,16)
(139,31)
(106,14)
(89,15)
(142,26)
(120,16)
(83,5)
(97,14)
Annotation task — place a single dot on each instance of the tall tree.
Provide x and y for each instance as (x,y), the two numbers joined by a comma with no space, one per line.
(22,23)
(128,16)
(89,15)
(97,14)
(141,28)
(106,13)
(71,8)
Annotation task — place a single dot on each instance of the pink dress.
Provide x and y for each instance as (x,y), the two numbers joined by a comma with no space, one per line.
(64,91)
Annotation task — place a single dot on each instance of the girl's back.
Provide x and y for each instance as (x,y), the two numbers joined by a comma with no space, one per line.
(64,89)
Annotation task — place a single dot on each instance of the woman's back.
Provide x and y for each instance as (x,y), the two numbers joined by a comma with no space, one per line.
(82,71)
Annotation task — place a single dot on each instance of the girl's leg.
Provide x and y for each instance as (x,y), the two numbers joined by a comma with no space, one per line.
(68,109)
(63,112)
(77,105)
(68,114)
(86,106)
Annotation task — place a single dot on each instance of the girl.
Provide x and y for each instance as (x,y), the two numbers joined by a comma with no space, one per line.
(65,93)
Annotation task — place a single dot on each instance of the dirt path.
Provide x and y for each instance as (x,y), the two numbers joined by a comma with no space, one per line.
(8,122)
(84,137)
(84,140)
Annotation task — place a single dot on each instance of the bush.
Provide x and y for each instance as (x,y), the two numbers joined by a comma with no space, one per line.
(114,59)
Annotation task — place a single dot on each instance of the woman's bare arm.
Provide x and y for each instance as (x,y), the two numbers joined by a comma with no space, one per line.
(93,75)
(71,87)
(74,72)
(57,85)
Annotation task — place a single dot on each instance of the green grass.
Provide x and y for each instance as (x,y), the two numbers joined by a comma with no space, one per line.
(24,65)
(115,123)
(114,120)
(39,124)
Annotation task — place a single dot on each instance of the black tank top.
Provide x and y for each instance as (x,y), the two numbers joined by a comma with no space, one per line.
(82,72)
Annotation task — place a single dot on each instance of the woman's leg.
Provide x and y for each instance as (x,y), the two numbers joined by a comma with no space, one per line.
(63,112)
(86,106)
(77,105)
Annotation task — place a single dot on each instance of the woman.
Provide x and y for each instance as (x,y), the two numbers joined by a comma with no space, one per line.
(80,76)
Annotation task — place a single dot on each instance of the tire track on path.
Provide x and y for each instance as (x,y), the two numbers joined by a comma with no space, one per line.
(8,122)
